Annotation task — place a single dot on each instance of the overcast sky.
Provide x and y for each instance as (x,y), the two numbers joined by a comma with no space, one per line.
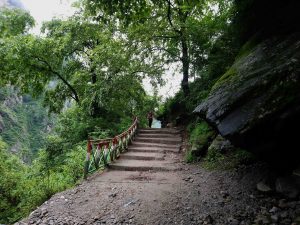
(45,10)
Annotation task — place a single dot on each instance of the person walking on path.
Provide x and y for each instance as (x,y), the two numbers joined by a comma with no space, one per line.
(150,118)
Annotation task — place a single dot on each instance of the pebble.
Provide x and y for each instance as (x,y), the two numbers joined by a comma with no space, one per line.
(233,221)
(274,218)
(273,210)
(208,219)
(262,187)
(252,196)
(112,195)
(284,214)
(224,194)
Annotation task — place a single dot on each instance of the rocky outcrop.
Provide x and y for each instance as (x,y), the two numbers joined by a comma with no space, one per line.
(256,104)
(221,145)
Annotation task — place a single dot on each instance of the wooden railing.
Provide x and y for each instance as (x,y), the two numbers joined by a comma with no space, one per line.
(100,153)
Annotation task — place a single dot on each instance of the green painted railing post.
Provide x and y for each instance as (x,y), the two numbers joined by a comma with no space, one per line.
(106,151)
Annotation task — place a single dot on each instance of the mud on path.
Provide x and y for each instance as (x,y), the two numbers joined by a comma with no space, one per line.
(171,192)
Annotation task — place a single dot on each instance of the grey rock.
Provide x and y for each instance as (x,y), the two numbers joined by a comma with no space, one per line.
(287,187)
(274,210)
(112,195)
(257,99)
(224,194)
(208,219)
(286,221)
(274,218)
(260,219)
(284,214)
(220,144)
(282,203)
(263,187)
(233,221)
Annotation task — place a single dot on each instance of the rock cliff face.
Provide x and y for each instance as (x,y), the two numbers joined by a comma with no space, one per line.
(256,104)
(24,122)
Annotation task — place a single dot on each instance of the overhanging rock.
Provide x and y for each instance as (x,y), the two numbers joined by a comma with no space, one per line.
(256,103)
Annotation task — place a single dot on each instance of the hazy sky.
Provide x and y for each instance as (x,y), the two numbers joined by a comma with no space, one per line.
(45,10)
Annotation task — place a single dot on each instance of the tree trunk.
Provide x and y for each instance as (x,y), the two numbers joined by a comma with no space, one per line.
(185,67)
(95,110)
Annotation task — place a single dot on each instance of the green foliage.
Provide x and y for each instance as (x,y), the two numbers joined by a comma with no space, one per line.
(25,187)
(230,74)
(189,157)
(200,136)
(247,47)
(14,22)
(200,132)
(215,160)
(180,105)
(78,61)
(175,31)
(23,122)
(10,183)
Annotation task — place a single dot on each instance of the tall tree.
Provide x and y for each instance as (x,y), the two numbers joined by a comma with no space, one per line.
(167,26)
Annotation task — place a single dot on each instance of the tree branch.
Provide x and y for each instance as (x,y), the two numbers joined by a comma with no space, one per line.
(169,15)
(165,50)
(165,37)
(75,97)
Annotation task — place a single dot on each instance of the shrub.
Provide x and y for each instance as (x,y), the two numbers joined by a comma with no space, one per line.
(215,160)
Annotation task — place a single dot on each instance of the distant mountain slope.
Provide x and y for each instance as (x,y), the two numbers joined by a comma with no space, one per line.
(24,123)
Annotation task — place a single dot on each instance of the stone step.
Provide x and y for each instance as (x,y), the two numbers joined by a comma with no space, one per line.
(156,135)
(141,165)
(158,131)
(142,155)
(156,145)
(158,140)
(153,149)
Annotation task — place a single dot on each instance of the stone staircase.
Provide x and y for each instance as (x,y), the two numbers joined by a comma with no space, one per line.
(151,150)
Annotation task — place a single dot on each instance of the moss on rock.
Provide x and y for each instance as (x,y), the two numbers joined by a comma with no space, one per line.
(200,137)
(255,104)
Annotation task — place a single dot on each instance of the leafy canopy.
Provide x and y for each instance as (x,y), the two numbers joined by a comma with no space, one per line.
(176,30)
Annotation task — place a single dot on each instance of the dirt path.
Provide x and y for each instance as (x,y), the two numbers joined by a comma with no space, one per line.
(179,194)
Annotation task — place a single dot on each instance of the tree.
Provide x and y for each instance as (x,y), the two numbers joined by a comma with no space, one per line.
(14,22)
(166,26)
(79,60)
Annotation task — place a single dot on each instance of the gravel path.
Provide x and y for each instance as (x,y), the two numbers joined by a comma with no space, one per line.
(186,194)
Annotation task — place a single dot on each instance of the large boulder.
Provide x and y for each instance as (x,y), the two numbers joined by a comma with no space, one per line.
(256,104)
